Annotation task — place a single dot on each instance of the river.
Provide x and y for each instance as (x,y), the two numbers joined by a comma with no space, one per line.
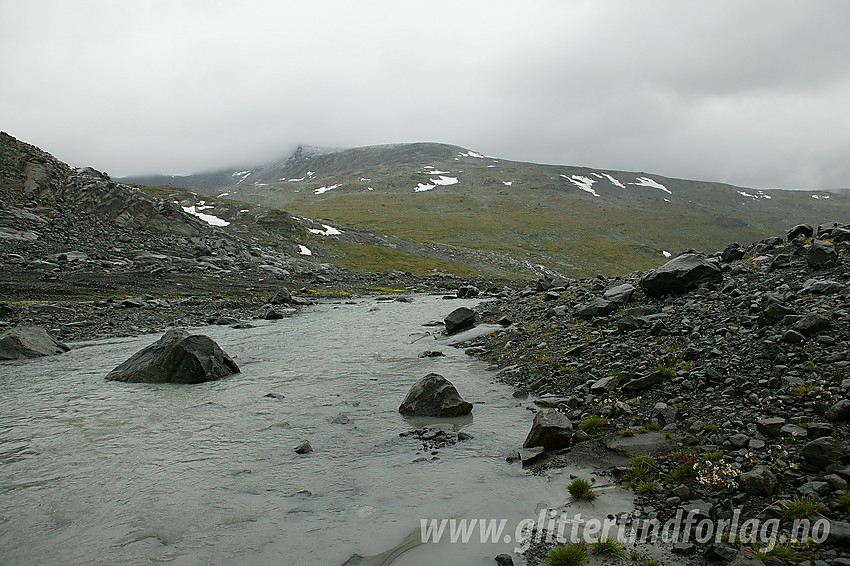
(97,472)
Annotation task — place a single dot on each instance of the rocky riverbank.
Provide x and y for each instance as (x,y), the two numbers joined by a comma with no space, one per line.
(85,303)
(715,383)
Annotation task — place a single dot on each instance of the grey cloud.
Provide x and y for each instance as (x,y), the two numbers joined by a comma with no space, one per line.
(753,93)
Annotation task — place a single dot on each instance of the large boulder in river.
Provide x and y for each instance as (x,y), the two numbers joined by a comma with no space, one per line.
(177,357)
(551,429)
(25,342)
(680,274)
(434,396)
(459,319)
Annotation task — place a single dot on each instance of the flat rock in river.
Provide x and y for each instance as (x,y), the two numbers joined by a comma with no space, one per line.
(177,357)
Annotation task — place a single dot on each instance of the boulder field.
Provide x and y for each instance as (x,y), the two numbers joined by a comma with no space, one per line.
(716,381)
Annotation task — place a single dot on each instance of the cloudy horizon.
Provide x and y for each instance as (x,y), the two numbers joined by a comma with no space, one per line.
(753,93)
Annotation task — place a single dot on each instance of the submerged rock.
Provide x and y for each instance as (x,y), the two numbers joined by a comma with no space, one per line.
(26,342)
(177,357)
(434,396)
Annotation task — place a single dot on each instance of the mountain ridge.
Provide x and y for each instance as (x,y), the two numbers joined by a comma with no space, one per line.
(574,220)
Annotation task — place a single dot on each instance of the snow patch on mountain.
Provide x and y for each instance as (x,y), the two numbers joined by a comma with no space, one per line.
(583,183)
(322,190)
(647,182)
(471,153)
(442,180)
(304,250)
(507,183)
(328,231)
(208,218)
(758,195)
(241,175)
(818,197)
(612,180)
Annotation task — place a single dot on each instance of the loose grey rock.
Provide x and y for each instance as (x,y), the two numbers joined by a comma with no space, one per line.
(733,252)
(680,274)
(758,481)
(781,261)
(840,411)
(823,287)
(805,230)
(773,313)
(770,426)
(467,292)
(281,297)
(599,307)
(431,354)
(812,324)
(531,455)
(304,448)
(621,294)
(640,383)
(793,337)
(550,429)
(822,452)
(821,255)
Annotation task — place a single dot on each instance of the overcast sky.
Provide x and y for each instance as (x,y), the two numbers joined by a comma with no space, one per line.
(754,93)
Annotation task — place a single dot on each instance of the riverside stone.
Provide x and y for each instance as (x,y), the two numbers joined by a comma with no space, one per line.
(550,429)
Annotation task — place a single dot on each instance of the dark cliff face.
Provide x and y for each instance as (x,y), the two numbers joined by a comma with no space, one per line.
(26,171)
(33,178)
(48,207)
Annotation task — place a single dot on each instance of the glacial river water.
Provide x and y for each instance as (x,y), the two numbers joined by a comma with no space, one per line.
(97,472)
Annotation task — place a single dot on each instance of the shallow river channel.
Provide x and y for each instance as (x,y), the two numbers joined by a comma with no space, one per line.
(97,472)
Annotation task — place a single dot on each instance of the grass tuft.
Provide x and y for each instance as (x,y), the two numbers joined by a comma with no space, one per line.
(800,507)
(608,547)
(581,489)
(570,555)
(593,423)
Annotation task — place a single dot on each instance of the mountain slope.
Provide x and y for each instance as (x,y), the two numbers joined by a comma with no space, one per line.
(76,231)
(573,220)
